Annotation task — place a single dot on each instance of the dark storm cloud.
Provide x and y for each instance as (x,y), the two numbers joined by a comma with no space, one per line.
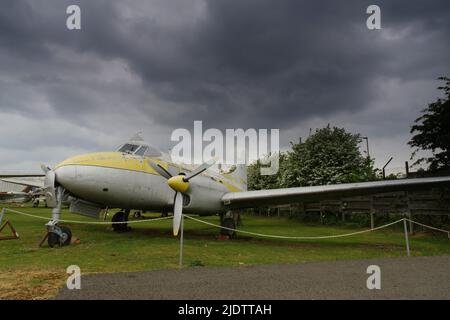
(246,63)
(252,63)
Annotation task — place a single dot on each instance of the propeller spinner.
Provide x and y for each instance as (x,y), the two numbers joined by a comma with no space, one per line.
(180,184)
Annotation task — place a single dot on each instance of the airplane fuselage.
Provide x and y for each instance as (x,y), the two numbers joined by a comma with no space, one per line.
(121,180)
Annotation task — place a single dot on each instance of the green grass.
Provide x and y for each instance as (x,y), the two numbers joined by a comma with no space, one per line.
(151,245)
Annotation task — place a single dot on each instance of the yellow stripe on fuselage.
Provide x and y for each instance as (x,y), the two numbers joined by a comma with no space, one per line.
(122,161)
(114,160)
(230,187)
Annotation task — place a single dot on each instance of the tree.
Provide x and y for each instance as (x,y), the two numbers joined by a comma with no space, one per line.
(432,132)
(330,155)
(256,181)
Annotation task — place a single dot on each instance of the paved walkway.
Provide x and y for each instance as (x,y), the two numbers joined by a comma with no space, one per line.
(401,278)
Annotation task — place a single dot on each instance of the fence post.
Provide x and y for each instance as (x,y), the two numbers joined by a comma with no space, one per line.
(411,226)
(405,227)
(372,210)
(1,215)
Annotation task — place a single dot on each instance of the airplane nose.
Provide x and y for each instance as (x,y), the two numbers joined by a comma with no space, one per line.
(79,173)
(66,175)
(66,171)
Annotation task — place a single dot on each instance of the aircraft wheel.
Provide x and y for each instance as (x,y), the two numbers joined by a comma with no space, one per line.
(228,223)
(137,215)
(55,240)
(119,217)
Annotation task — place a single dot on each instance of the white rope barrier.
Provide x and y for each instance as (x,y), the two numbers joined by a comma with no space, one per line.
(429,227)
(230,229)
(294,237)
(87,222)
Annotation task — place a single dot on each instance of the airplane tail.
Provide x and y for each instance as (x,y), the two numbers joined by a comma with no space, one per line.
(240,176)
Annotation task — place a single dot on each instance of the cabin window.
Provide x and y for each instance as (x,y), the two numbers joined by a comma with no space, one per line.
(128,148)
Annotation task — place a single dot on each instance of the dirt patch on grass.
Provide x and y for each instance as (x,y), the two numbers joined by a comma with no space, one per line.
(30,285)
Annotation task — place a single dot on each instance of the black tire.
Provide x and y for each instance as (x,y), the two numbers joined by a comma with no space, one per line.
(137,215)
(228,223)
(68,235)
(54,240)
(120,217)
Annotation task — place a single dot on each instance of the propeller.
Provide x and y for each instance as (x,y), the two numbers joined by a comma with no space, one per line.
(49,185)
(161,170)
(180,184)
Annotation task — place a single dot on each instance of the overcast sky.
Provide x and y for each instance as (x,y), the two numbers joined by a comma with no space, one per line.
(153,66)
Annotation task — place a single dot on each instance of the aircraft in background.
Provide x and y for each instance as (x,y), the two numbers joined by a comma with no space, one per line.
(140,177)
(15,197)
(19,197)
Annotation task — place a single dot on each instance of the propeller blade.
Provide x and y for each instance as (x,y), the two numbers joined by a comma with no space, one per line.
(158,168)
(177,212)
(200,169)
(45,168)
(49,186)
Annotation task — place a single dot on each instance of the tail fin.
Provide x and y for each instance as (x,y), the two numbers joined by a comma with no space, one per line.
(238,173)
(241,174)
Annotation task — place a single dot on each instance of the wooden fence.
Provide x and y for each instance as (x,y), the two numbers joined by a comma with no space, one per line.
(432,202)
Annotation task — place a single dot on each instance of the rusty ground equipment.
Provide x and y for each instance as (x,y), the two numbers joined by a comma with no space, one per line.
(8,223)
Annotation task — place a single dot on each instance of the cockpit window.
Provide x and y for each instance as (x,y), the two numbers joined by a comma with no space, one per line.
(141,151)
(152,152)
(128,148)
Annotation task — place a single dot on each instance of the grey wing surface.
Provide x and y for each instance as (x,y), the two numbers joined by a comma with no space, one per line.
(248,199)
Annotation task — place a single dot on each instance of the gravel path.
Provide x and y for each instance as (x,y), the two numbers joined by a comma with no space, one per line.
(401,278)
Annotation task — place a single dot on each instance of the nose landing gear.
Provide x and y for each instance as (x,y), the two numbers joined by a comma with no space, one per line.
(59,236)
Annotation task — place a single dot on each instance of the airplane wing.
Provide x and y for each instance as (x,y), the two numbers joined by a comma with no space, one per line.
(33,180)
(257,198)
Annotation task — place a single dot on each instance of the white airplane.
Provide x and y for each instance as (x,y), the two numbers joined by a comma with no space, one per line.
(26,195)
(140,177)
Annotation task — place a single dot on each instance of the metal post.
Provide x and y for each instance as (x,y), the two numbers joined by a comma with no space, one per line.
(2,214)
(372,220)
(384,167)
(411,226)
(406,237)
(367,146)
(181,241)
